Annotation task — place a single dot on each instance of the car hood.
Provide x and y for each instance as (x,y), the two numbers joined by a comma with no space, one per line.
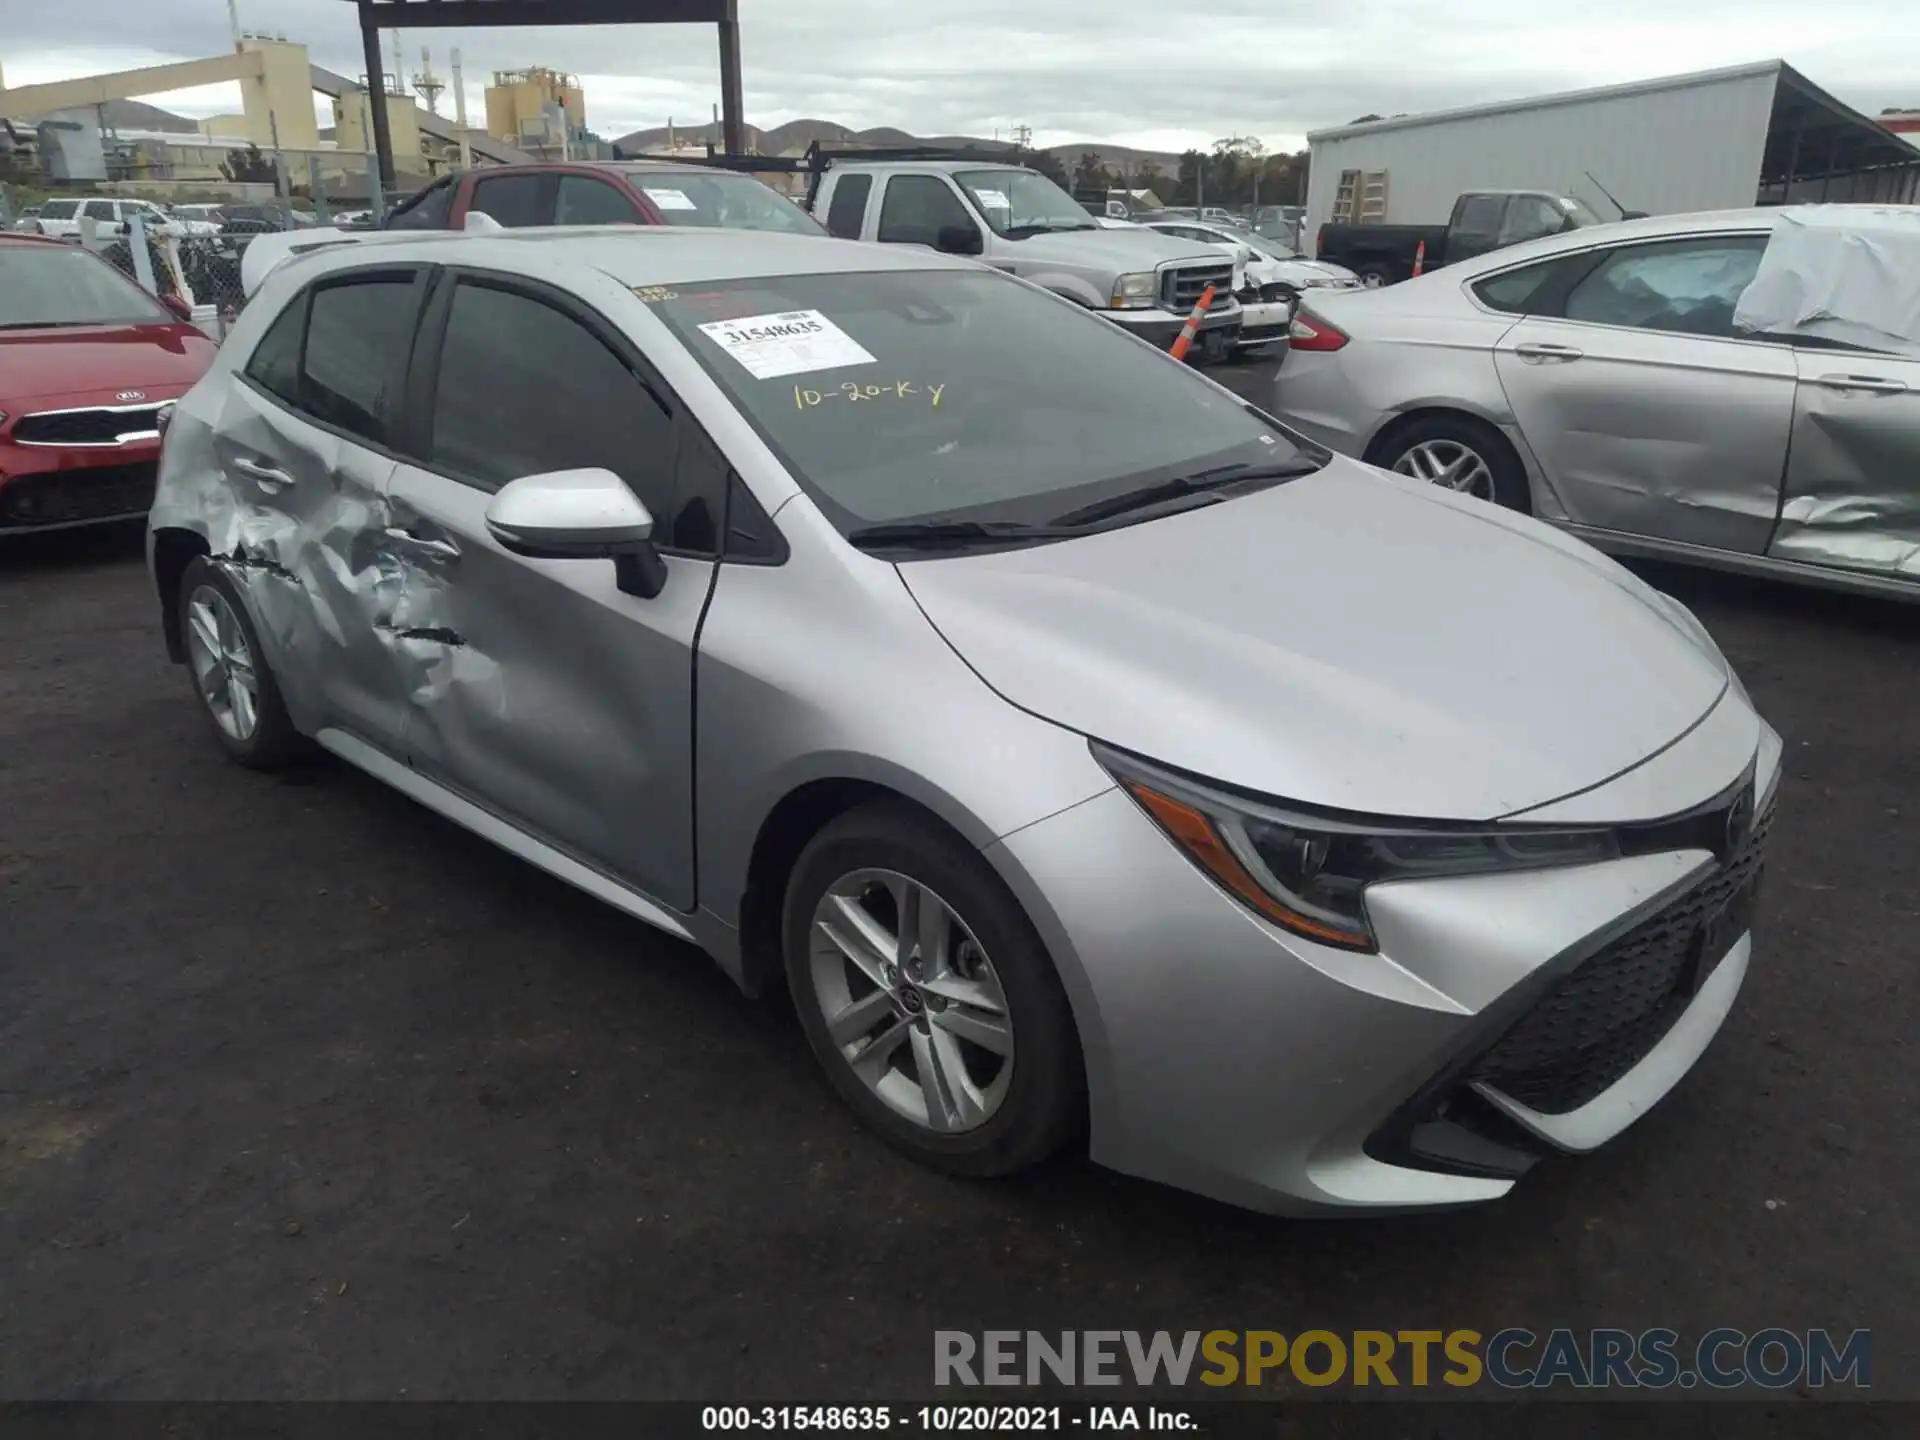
(1346,640)
(44,364)
(1121,250)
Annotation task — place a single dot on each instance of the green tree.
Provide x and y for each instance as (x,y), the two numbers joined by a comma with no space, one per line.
(1048,164)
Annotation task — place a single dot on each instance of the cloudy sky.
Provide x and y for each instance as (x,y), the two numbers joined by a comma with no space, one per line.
(1160,74)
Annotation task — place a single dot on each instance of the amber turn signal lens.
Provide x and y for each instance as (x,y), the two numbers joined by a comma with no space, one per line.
(1197,836)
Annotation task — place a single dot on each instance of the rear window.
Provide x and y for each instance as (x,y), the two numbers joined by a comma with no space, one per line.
(719,199)
(900,395)
(847,211)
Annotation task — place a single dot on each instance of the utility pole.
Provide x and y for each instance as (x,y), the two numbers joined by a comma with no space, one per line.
(233,23)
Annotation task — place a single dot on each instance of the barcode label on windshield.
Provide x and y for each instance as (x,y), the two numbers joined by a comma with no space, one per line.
(798,342)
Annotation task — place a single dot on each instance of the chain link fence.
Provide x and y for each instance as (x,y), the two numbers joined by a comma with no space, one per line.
(202,270)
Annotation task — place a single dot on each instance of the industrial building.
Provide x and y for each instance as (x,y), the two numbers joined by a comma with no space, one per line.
(1759,134)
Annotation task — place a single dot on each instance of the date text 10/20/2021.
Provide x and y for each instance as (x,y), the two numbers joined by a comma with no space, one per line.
(941,1419)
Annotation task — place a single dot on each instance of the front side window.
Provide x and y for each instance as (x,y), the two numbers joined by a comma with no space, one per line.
(525,388)
(358,337)
(721,199)
(54,285)
(515,201)
(1018,203)
(916,208)
(1687,286)
(891,396)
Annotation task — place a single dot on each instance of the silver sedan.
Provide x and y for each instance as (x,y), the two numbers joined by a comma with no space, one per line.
(1597,380)
(1079,747)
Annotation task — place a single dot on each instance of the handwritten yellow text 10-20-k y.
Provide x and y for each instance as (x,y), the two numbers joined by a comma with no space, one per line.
(853,390)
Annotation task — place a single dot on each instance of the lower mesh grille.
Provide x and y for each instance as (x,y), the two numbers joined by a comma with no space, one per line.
(1600,1020)
(61,497)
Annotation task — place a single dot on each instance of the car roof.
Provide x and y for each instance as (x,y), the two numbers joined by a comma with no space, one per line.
(21,237)
(634,255)
(949,167)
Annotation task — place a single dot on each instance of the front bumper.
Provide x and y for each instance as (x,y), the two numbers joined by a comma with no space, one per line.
(55,488)
(1160,328)
(1227,1057)
(1263,324)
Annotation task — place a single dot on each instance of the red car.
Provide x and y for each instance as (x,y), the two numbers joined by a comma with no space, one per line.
(88,360)
(603,192)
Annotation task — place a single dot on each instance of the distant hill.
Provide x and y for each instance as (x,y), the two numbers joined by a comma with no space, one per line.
(798,134)
(135,115)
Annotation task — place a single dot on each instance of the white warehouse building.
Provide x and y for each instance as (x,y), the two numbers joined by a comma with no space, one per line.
(1720,139)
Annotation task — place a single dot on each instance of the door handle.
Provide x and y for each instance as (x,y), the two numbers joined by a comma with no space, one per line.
(438,549)
(269,476)
(1540,350)
(1874,383)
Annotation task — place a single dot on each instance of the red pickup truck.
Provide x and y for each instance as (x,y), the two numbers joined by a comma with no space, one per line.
(609,192)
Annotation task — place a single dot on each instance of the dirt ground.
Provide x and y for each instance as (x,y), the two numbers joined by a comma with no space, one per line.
(305,1092)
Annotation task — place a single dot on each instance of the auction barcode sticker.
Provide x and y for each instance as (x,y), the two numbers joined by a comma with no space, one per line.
(795,343)
(668,199)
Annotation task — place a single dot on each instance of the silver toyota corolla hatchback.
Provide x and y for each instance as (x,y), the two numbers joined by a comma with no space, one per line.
(1084,750)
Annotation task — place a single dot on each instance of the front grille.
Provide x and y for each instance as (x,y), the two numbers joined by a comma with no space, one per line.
(61,497)
(1182,285)
(1601,1019)
(84,427)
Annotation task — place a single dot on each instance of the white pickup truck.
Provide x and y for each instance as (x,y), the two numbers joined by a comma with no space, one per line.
(1019,221)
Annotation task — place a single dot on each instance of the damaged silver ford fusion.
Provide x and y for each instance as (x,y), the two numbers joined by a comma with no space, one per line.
(1075,742)
(1738,389)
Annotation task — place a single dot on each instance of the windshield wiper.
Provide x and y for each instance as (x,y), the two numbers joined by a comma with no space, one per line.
(941,534)
(1044,227)
(1197,488)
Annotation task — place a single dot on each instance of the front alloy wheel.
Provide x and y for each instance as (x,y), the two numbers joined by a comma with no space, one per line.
(911,1001)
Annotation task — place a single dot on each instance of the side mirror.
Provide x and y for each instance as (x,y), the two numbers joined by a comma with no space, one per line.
(580,515)
(180,308)
(959,240)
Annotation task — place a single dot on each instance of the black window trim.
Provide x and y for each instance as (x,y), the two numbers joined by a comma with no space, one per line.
(1597,253)
(423,377)
(304,300)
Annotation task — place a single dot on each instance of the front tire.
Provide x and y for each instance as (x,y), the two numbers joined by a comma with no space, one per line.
(236,690)
(927,995)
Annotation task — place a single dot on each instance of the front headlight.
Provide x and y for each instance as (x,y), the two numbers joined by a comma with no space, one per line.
(1309,873)
(1136,292)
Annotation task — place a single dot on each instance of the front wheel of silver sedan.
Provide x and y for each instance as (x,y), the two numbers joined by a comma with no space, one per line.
(928,997)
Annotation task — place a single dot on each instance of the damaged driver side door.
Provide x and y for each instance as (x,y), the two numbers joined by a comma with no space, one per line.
(302,447)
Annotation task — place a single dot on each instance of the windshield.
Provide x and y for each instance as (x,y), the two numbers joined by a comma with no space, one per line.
(1018,203)
(1261,244)
(720,200)
(56,285)
(904,395)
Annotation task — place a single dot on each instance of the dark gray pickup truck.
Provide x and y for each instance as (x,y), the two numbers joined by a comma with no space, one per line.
(1482,220)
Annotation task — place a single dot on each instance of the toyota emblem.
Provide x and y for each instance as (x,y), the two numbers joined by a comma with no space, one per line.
(131,395)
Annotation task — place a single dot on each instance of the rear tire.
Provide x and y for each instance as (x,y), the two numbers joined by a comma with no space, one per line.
(228,670)
(1459,453)
(1375,273)
(957,1046)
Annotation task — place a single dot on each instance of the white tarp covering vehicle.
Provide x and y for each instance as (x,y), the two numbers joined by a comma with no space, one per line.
(1849,274)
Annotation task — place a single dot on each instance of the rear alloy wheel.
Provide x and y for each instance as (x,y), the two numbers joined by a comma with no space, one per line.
(927,996)
(1461,454)
(1373,277)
